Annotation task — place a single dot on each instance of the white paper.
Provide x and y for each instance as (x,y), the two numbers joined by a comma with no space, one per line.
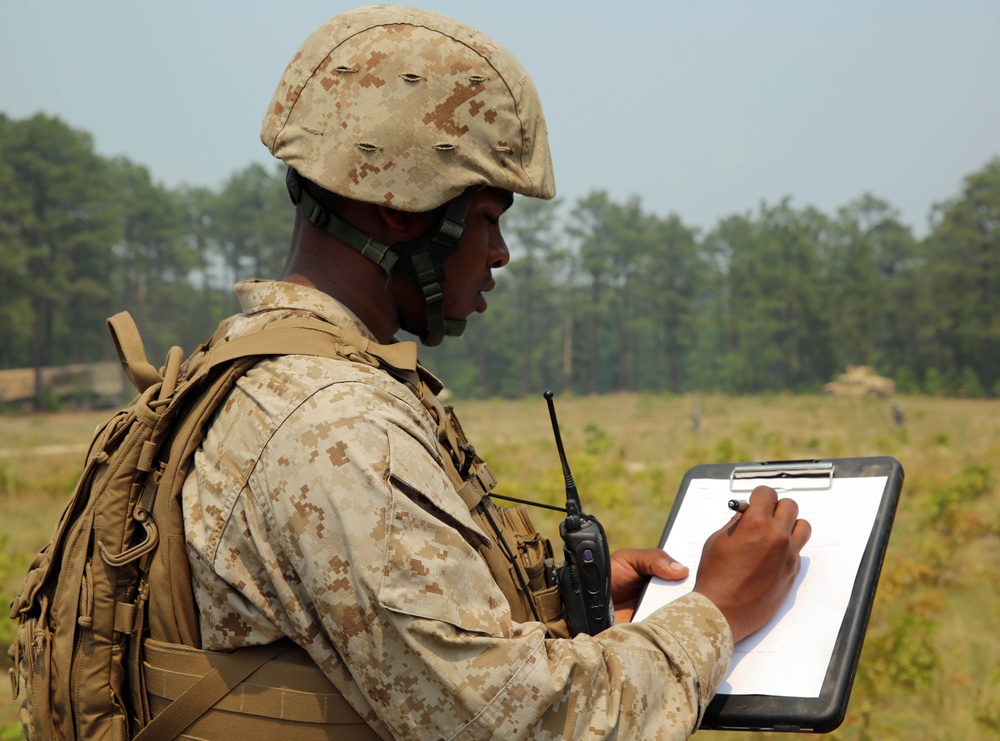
(789,656)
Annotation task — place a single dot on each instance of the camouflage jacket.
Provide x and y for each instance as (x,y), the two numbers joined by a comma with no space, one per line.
(318,508)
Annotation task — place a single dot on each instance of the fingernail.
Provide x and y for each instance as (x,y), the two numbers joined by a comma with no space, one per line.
(674,566)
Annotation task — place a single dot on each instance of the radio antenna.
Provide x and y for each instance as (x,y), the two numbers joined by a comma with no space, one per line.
(572,497)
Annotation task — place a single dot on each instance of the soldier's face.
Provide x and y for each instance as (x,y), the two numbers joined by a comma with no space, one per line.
(468,272)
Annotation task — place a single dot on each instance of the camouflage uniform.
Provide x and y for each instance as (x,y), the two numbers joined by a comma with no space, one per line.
(319,508)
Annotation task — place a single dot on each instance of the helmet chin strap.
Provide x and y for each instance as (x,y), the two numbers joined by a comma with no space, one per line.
(422,260)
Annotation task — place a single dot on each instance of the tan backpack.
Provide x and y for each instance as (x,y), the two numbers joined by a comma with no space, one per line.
(82,611)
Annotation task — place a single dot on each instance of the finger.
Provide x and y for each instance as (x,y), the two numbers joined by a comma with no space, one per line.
(730,527)
(801,532)
(763,500)
(786,512)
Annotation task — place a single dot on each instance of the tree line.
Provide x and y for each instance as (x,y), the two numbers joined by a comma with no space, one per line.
(599,296)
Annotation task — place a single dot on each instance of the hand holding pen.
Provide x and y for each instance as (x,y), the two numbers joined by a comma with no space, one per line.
(749,565)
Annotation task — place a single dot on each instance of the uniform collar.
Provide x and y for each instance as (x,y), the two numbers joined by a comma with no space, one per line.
(258,296)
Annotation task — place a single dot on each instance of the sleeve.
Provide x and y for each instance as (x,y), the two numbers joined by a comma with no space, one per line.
(373,563)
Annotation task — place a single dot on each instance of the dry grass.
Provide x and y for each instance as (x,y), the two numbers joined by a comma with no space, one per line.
(625,437)
(628,452)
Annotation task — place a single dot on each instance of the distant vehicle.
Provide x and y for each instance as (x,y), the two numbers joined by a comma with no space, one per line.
(860,380)
(94,385)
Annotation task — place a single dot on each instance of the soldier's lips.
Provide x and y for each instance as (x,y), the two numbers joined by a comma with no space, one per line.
(480,302)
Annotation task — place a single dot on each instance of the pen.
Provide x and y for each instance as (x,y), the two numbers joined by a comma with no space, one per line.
(738,505)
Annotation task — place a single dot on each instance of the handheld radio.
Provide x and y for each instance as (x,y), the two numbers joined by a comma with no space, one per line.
(585,575)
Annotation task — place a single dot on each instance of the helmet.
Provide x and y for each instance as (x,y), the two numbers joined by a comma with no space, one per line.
(406,108)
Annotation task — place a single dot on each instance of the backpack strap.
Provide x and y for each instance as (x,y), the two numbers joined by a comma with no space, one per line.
(208,690)
(131,353)
(305,336)
(209,376)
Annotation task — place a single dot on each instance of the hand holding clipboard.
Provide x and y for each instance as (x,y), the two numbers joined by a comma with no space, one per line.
(795,673)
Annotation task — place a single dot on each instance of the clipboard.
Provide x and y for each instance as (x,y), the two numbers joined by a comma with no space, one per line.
(855,480)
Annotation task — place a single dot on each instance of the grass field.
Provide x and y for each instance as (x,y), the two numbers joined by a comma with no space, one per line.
(931,664)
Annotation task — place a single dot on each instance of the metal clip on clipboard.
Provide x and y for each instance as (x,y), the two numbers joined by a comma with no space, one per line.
(807,474)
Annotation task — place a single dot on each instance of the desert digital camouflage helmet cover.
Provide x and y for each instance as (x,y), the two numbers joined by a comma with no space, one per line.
(406,108)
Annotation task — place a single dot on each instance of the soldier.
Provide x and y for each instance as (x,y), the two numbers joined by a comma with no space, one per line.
(335,502)
(898,415)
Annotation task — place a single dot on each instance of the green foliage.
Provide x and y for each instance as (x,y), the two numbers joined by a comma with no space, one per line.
(12,733)
(969,384)
(598,442)
(599,295)
(82,237)
(13,566)
(932,383)
(251,223)
(987,704)
(944,506)
(9,482)
(963,270)
(907,381)
(726,451)
(904,656)
(48,400)
(58,227)
(9,565)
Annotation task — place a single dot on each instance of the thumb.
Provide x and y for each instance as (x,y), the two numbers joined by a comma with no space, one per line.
(656,562)
(669,568)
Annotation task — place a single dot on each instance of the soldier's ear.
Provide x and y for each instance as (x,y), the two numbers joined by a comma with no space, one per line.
(406,225)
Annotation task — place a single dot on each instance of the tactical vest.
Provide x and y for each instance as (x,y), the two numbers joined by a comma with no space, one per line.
(277,690)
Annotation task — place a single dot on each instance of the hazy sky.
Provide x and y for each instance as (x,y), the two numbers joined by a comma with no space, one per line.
(700,108)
